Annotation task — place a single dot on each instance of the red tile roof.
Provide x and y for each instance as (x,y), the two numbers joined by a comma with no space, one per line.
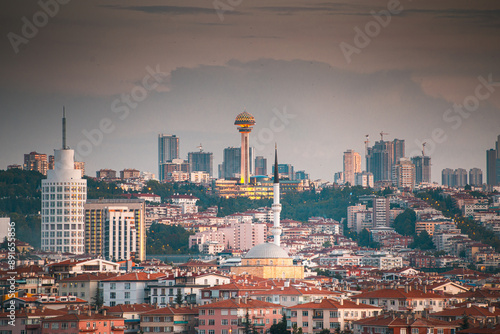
(240,303)
(172,310)
(333,304)
(139,276)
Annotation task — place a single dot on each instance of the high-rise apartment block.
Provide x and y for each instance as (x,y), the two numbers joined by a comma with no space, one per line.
(459,178)
(404,172)
(120,234)
(381,214)
(422,169)
(382,156)
(108,228)
(201,162)
(447,177)
(286,171)
(352,165)
(64,193)
(260,165)
(130,173)
(364,179)
(36,161)
(231,165)
(80,165)
(493,165)
(475,177)
(454,178)
(106,174)
(168,150)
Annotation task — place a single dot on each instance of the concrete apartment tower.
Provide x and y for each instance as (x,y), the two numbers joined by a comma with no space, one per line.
(64,193)
(352,165)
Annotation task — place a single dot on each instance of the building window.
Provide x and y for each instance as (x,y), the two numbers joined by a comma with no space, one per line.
(414,331)
(112,286)
(211,322)
(305,324)
(211,312)
(112,295)
(305,313)
(127,295)
(224,322)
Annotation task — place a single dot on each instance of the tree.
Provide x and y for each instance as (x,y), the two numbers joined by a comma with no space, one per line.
(98,299)
(404,223)
(296,330)
(465,322)
(423,241)
(324,331)
(178,298)
(248,325)
(327,244)
(280,327)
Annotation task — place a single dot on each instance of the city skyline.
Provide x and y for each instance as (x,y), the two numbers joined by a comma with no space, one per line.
(285,63)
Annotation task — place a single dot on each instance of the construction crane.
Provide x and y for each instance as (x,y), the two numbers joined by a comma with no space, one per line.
(367,141)
(423,148)
(382,135)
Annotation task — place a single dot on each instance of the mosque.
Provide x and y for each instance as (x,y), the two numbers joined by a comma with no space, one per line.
(269,260)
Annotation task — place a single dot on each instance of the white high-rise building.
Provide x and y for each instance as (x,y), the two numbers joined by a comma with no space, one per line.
(64,193)
(119,234)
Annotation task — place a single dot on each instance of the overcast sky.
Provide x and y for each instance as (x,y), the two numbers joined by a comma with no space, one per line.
(318,76)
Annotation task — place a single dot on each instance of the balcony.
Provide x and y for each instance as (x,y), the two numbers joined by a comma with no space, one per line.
(180,322)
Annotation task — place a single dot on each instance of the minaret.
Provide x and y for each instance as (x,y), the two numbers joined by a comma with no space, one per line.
(276,229)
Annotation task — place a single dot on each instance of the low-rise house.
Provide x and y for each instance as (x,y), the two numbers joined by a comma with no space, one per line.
(290,296)
(83,323)
(170,319)
(27,320)
(73,267)
(84,286)
(401,300)
(188,285)
(229,316)
(127,289)
(328,314)
(473,312)
(403,325)
(131,313)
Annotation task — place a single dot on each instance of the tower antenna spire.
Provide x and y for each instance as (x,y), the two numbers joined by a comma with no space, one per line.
(276,171)
(64,147)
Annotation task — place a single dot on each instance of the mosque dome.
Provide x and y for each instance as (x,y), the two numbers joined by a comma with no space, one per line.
(267,251)
(244,119)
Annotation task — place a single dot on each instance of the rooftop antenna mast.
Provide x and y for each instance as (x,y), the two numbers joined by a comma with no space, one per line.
(200,148)
(423,149)
(64,129)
